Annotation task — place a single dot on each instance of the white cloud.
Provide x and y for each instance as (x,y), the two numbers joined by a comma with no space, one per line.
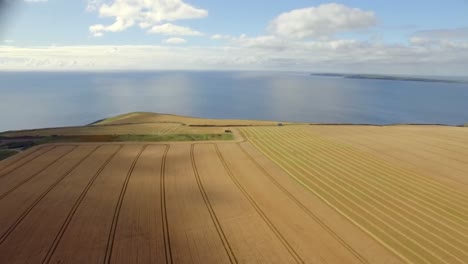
(145,13)
(174,30)
(93,5)
(35,1)
(220,37)
(322,21)
(175,41)
(119,25)
(9,41)
(258,53)
(98,34)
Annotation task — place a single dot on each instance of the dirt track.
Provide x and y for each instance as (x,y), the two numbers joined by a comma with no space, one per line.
(167,203)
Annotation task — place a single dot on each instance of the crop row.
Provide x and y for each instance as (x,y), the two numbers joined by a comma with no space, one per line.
(418,219)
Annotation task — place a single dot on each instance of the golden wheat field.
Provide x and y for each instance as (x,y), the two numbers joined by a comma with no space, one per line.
(279,194)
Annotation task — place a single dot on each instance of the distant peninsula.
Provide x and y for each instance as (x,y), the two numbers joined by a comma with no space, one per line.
(386,77)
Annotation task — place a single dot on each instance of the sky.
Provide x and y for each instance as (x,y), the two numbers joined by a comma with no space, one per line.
(416,37)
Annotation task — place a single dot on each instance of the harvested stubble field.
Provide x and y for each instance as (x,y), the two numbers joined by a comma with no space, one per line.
(405,186)
(293,194)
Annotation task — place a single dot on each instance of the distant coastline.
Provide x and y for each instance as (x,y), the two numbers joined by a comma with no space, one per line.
(386,77)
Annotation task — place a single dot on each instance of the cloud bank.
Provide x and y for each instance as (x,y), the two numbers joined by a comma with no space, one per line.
(145,13)
(306,39)
(248,54)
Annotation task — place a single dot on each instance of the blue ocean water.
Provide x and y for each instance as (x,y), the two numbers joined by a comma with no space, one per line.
(50,99)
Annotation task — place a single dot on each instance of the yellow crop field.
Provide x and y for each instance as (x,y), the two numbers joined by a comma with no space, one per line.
(166,203)
(275,194)
(418,218)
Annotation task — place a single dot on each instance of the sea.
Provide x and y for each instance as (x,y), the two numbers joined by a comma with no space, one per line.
(53,99)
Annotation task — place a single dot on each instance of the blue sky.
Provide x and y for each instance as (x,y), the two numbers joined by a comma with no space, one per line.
(407,37)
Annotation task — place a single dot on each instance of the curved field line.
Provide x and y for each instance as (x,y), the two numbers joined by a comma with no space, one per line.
(19,166)
(454,164)
(442,139)
(344,208)
(265,218)
(118,207)
(384,214)
(396,209)
(459,146)
(461,142)
(448,193)
(434,183)
(304,208)
(165,222)
(438,136)
(422,184)
(416,138)
(382,181)
(267,152)
(457,134)
(425,150)
(431,137)
(30,208)
(73,210)
(35,174)
(431,185)
(368,168)
(214,218)
(415,164)
(400,136)
(428,228)
(388,188)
